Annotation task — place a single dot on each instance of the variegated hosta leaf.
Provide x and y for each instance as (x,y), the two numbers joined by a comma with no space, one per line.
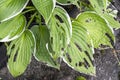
(66,2)
(99,30)
(79,54)
(45,7)
(99,5)
(12,29)
(113,23)
(42,37)
(11,8)
(20,52)
(60,30)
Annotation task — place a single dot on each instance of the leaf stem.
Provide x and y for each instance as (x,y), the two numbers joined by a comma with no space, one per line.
(28,11)
(30,21)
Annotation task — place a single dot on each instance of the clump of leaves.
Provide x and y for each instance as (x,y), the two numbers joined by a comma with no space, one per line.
(54,35)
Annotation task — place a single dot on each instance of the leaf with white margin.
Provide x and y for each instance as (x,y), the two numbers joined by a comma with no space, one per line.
(12,29)
(42,38)
(60,31)
(45,8)
(99,30)
(99,5)
(11,8)
(79,54)
(20,52)
(66,2)
(113,23)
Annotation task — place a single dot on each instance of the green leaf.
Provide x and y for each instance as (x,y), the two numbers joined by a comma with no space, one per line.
(45,7)
(42,37)
(11,8)
(20,52)
(99,5)
(60,31)
(81,78)
(113,23)
(79,54)
(12,29)
(66,2)
(99,30)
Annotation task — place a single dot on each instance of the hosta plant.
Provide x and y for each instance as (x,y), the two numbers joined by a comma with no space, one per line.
(51,35)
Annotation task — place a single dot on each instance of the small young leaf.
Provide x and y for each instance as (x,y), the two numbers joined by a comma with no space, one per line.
(42,37)
(11,8)
(12,29)
(79,54)
(45,7)
(20,52)
(99,30)
(60,30)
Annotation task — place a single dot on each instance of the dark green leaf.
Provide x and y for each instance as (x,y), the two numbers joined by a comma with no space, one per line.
(42,37)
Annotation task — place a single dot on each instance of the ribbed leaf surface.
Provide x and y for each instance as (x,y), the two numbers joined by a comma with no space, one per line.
(45,7)
(60,30)
(12,29)
(20,52)
(79,54)
(11,8)
(42,37)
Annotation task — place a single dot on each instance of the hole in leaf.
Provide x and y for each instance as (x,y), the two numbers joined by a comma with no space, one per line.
(57,24)
(111,40)
(78,2)
(86,64)
(89,57)
(62,49)
(15,57)
(68,57)
(78,47)
(103,11)
(76,64)
(80,63)
(59,18)
(68,1)
(13,46)
(88,20)
(51,40)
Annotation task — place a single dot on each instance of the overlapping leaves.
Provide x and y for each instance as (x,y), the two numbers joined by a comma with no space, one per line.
(20,52)
(79,54)
(99,5)
(66,2)
(12,29)
(60,30)
(11,8)
(42,37)
(45,7)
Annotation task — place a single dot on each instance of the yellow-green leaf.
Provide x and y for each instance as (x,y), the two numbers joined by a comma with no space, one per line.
(12,29)
(11,8)
(45,7)
(99,30)
(20,53)
(79,53)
